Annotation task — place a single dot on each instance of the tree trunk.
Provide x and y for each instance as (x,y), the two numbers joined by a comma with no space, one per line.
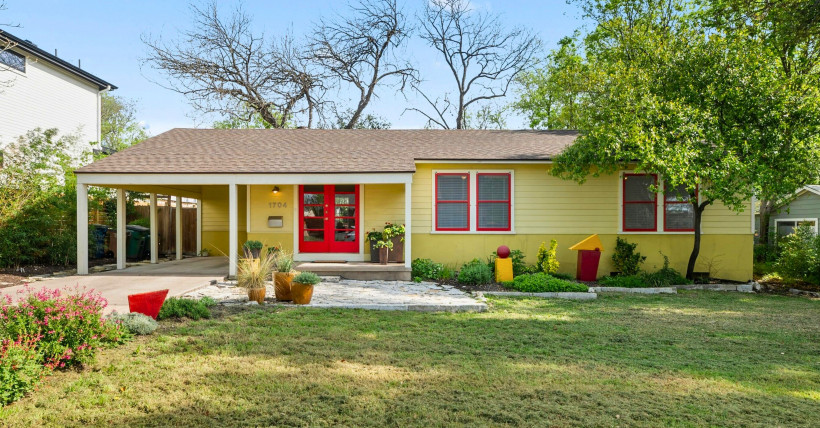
(693,258)
(765,215)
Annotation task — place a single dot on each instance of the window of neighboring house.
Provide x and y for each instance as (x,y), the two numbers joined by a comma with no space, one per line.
(640,203)
(788,226)
(452,201)
(678,212)
(13,60)
(494,207)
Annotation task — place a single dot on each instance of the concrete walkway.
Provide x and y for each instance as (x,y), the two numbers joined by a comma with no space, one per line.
(179,277)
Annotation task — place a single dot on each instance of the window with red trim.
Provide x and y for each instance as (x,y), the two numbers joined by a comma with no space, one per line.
(452,201)
(493,204)
(640,203)
(678,212)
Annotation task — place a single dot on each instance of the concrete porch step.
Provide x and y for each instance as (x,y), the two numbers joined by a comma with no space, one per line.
(358,270)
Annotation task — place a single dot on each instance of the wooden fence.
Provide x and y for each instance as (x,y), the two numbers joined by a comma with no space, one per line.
(166,228)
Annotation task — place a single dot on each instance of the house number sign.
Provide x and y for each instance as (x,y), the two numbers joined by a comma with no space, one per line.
(277,204)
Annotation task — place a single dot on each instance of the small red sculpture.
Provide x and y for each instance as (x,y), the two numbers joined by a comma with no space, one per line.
(147,303)
(503,252)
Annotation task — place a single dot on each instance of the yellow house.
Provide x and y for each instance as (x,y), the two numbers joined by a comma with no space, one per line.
(460,194)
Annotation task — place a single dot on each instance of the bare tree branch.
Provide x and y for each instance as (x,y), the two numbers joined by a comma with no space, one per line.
(361,50)
(6,44)
(222,67)
(484,56)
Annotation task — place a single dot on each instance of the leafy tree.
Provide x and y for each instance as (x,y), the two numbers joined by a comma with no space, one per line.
(669,94)
(120,128)
(366,121)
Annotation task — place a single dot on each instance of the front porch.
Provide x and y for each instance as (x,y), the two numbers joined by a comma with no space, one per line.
(321,218)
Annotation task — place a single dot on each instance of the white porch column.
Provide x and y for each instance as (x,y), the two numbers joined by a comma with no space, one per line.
(152,224)
(408,226)
(82,229)
(178,228)
(121,236)
(233,229)
(198,226)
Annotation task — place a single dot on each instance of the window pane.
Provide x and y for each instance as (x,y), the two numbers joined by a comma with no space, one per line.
(451,187)
(345,223)
(345,211)
(493,215)
(636,188)
(314,198)
(314,235)
(451,216)
(346,199)
(314,211)
(345,188)
(785,228)
(677,194)
(639,216)
(493,187)
(680,217)
(314,188)
(345,236)
(315,223)
(13,60)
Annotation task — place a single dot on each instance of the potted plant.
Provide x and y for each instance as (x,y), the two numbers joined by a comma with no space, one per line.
(395,232)
(302,290)
(384,246)
(254,247)
(252,274)
(204,253)
(373,237)
(283,275)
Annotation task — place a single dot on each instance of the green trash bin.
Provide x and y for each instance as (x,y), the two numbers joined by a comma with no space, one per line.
(138,244)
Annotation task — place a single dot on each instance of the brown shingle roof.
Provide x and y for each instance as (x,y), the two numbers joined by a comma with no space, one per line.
(271,151)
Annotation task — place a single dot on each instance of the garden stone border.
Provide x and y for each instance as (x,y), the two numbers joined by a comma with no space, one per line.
(799,292)
(647,290)
(750,287)
(566,295)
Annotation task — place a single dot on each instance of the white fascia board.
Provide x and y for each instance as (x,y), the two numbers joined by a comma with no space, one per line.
(108,179)
(493,162)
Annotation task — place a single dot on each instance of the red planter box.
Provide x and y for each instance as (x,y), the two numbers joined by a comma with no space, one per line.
(147,303)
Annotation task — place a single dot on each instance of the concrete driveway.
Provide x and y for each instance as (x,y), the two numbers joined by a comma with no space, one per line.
(179,277)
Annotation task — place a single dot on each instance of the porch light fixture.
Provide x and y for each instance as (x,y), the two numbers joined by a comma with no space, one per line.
(275,189)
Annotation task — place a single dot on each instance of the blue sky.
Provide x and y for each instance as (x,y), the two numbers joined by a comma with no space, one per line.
(105,35)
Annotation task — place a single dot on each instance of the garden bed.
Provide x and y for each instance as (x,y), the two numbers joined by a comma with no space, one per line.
(9,277)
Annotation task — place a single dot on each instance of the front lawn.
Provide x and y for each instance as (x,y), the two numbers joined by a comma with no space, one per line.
(692,359)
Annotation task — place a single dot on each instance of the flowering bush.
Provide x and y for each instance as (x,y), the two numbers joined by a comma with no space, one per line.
(68,322)
(21,367)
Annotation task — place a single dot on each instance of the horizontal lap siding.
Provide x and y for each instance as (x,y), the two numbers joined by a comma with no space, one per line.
(805,206)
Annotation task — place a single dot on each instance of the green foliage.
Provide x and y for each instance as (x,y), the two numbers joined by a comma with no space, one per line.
(547,258)
(544,283)
(283,261)
(625,260)
(664,277)
(374,235)
(253,273)
(253,245)
(799,256)
(119,127)
(144,222)
(519,265)
(426,269)
(21,368)
(309,278)
(475,273)
(625,281)
(177,308)
(136,323)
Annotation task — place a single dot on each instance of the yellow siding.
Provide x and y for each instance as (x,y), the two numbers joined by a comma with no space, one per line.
(382,203)
(264,203)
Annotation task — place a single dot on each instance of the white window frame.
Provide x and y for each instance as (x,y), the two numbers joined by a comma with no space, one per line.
(660,212)
(473,205)
(795,220)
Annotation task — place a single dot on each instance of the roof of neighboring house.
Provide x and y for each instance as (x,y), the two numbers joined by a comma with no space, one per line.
(32,49)
(272,151)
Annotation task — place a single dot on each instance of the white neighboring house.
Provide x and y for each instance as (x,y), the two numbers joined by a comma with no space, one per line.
(40,90)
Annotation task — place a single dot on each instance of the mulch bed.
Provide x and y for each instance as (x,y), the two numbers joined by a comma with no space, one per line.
(471,288)
(9,277)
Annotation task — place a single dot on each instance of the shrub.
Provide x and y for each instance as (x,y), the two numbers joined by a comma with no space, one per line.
(144,222)
(625,259)
(68,321)
(664,277)
(765,253)
(252,273)
(630,281)
(547,258)
(307,278)
(475,273)
(518,264)
(253,245)
(799,257)
(135,322)
(426,269)
(543,283)
(21,367)
(176,307)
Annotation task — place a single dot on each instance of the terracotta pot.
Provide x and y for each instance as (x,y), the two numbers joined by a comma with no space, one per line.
(383,254)
(301,293)
(282,285)
(397,253)
(257,295)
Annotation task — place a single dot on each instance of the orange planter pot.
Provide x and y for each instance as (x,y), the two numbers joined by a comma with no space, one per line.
(301,293)
(282,285)
(257,295)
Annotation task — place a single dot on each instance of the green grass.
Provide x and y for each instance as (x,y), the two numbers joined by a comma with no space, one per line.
(693,359)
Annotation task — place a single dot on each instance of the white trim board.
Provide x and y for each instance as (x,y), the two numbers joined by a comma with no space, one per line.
(795,220)
(114,180)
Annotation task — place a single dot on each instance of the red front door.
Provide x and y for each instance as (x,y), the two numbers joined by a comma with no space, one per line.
(329,218)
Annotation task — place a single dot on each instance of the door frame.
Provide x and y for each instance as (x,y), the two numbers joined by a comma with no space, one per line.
(357,246)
